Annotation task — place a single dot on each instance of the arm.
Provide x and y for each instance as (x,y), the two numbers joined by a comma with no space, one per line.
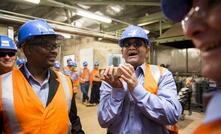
(111,103)
(1,123)
(164,107)
(74,118)
(1,111)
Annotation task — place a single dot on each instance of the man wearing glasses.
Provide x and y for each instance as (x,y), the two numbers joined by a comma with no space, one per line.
(136,97)
(34,98)
(8,50)
(201,21)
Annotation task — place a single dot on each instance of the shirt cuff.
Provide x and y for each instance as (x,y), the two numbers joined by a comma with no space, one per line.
(139,92)
(118,93)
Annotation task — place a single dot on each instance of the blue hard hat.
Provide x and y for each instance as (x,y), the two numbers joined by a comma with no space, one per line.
(176,10)
(35,28)
(57,65)
(71,63)
(69,59)
(20,61)
(7,43)
(134,32)
(96,63)
(85,63)
(75,64)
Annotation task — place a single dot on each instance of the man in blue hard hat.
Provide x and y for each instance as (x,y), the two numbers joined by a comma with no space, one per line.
(75,77)
(67,69)
(96,83)
(201,21)
(44,102)
(57,66)
(84,75)
(137,97)
(20,62)
(8,51)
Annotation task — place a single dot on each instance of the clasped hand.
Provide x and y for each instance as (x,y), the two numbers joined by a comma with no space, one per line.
(116,75)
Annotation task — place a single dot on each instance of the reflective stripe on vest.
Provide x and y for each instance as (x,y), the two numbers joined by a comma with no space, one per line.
(67,95)
(8,101)
(66,90)
(152,77)
(156,72)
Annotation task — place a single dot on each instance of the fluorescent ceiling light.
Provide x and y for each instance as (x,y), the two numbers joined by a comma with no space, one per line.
(93,16)
(100,38)
(116,8)
(33,1)
(66,36)
(78,23)
(146,31)
(99,13)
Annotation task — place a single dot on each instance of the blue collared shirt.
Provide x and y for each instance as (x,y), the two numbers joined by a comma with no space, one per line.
(139,111)
(41,90)
(213,111)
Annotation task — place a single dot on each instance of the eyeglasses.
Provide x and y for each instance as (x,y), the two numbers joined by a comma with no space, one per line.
(48,45)
(135,43)
(200,12)
(4,54)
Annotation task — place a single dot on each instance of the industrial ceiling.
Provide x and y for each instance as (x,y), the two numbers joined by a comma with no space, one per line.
(64,15)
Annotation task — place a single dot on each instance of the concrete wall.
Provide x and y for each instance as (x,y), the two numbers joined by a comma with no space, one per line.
(3,29)
(101,50)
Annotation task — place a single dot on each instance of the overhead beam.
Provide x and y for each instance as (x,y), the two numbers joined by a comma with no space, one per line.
(49,13)
(156,27)
(130,3)
(152,18)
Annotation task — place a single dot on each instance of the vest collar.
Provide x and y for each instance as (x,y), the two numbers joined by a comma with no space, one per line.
(53,83)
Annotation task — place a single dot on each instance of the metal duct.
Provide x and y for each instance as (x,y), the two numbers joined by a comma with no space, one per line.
(58,26)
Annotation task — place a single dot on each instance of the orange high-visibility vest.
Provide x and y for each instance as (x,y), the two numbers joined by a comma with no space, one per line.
(75,84)
(85,73)
(213,127)
(67,68)
(94,72)
(23,111)
(151,79)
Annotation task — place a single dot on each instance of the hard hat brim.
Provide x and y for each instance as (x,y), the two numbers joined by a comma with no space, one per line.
(57,36)
(11,49)
(122,40)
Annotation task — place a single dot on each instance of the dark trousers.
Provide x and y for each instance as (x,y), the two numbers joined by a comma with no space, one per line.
(95,92)
(84,89)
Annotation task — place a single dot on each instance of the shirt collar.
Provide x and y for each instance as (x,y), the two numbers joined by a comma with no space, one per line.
(30,76)
(213,112)
(141,69)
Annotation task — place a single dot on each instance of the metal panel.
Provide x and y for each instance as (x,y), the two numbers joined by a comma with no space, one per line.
(194,60)
(176,59)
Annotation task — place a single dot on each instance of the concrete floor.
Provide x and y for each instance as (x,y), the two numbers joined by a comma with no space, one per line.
(88,116)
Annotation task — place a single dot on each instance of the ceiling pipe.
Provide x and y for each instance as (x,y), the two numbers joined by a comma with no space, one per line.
(58,26)
(131,3)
